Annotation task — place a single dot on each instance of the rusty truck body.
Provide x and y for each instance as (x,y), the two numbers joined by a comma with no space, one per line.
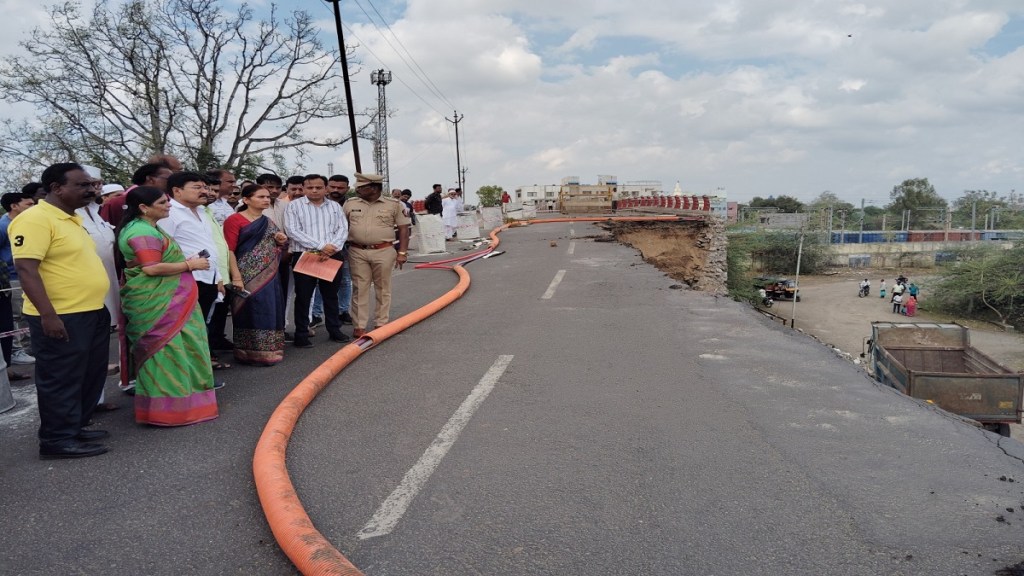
(936,362)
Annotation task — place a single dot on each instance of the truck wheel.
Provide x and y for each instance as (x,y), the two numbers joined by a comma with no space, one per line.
(1001,428)
(797,298)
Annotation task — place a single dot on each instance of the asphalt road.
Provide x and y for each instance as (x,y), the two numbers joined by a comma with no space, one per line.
(634,429)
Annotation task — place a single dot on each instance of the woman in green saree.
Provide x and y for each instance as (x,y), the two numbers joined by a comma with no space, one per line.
(164,343)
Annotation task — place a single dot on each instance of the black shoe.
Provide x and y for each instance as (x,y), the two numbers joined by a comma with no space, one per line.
(87,435)
(301,342)
(289,337)
(340,337)
(73,450)
(218,385)
(316,321)
(345,317)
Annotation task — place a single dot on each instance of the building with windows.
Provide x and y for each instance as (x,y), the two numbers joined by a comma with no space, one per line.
(543,196)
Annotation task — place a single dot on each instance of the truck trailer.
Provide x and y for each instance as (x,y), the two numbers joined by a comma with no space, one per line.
(936,363)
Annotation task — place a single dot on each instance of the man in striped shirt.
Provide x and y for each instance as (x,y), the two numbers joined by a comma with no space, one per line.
(319,226)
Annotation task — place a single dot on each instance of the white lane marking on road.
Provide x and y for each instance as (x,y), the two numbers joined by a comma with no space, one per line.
(572,247)
(394,507)
(554,284)
(572,232)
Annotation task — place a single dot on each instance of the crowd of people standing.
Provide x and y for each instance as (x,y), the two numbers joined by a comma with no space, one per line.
(903,296)
(163,263)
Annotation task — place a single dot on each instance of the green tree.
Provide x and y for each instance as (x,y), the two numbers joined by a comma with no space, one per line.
(201,79)
(874,216)
(986,281)
(783,203)
(490,195)
(824,204)
(980,206)
(927,208)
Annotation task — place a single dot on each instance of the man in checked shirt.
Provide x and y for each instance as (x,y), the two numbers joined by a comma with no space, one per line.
(317,225)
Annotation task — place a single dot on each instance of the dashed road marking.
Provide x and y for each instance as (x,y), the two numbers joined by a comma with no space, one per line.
(554,285)
(394,507)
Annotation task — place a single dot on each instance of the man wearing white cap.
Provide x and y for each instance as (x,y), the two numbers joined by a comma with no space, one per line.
(110,191)
(371,231)
(102,234)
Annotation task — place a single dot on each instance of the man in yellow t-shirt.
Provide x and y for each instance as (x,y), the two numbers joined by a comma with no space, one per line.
(65,285)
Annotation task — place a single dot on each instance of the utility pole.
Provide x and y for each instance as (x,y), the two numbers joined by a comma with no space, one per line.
(348,87)
(830,216)
(974,217)
(799,255)
(458,156)
(381,78)
(860,236)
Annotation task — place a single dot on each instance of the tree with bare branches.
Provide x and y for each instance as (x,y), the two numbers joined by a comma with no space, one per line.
(211,85)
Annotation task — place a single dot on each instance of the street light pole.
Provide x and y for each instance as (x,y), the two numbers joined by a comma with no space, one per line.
(348,86)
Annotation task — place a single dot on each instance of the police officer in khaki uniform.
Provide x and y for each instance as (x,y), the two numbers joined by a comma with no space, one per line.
(371,231)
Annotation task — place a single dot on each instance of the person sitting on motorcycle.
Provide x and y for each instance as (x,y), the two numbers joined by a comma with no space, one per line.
(865,287)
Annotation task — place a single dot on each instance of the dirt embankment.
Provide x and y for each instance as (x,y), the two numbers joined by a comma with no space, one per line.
(692,252)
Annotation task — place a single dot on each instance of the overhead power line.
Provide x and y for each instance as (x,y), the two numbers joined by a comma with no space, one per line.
(421,74)
(415,68)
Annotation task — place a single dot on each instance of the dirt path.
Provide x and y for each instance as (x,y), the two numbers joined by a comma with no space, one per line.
(830,310)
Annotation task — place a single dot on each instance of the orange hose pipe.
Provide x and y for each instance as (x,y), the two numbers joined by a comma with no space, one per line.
(294,531)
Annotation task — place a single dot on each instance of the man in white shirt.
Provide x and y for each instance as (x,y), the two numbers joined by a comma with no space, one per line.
(317,225)
(220,207)
(194,234)
(449,213)
(102,234)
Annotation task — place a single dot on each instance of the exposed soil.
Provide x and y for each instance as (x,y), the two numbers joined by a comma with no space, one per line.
(692,252)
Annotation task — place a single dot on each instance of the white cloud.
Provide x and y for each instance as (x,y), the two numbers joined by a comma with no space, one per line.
(760,97)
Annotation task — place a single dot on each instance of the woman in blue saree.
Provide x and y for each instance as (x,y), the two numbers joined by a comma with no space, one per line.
(256,244)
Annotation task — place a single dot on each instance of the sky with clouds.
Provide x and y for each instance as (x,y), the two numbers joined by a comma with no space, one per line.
(756,97)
